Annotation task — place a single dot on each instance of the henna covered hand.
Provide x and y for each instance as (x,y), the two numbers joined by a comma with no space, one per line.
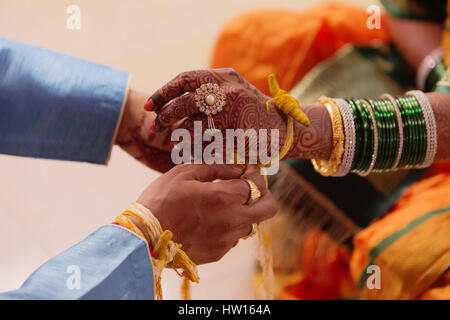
(245,109)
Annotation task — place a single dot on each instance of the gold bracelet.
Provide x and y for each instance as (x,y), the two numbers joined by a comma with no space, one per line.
(331,166)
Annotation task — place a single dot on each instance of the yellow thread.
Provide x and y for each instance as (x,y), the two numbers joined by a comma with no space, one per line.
(285,102)
(186,289)
(291,108)
(167,252)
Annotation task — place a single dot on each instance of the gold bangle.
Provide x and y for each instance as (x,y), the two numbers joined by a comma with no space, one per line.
(331,166)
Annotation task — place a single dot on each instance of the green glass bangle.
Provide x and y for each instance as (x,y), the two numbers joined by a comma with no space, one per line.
(420,124)
(388,136)
(404,159)
(394,133)
(367,150)
(381,132)
(362,138)
(414,145)
(416,137)
(422,129)
(388,133)
(391,150)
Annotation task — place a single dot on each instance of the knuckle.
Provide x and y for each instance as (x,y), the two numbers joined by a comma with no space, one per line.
(231,71)
(258,179)
(182,168)
(221,228)
(222,198)
(210,200)
(210,169)
(182,76)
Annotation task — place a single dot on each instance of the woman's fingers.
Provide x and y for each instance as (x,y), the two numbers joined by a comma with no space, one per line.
(176,110)
(239,189)
(220,122)
(184,82)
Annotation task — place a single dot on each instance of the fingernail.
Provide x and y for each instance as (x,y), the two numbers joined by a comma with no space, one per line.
(149,105)
(153,128)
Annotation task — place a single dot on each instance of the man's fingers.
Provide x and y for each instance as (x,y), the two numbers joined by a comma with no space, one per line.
(184,82)
(265,208)
(244,231)
(177,109)
(211,172)
(239,189)
(251,168)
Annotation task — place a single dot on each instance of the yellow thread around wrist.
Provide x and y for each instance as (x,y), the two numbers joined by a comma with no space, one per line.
(167,252)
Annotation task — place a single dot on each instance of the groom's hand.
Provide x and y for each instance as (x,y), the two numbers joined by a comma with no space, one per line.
(207,217)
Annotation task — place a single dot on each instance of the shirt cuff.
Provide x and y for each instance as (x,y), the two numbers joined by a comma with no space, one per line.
(56,106)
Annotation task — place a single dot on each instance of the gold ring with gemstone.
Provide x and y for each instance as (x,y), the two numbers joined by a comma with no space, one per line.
(210,98)
(255,194)
(252,232)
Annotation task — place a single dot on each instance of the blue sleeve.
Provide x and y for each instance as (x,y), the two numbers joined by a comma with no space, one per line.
(56,106)
(111,263)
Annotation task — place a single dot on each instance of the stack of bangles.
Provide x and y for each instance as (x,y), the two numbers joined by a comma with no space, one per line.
(377,135)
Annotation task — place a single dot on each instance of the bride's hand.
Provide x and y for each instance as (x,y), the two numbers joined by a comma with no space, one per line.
(245,105)
(245,109)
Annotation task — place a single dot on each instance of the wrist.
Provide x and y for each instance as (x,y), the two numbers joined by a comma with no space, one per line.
(133,114)
(315,141)
(142,228)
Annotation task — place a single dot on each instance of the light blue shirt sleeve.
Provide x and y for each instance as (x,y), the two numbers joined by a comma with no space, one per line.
(60,107)
(111,263)
(56,106)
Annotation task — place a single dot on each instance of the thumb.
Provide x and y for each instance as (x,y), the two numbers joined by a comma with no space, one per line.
(211,172)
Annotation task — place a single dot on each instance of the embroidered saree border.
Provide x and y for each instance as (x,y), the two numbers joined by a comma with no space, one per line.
(423,231)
